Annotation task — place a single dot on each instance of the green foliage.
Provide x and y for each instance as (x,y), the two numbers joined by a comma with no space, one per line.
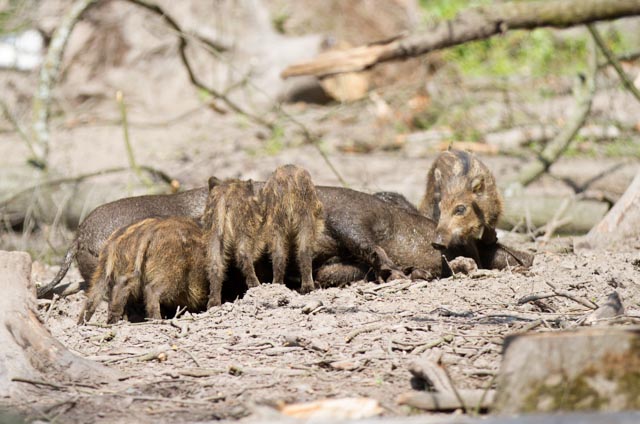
(275,143)
(280,19)
(14,16)
(537,53)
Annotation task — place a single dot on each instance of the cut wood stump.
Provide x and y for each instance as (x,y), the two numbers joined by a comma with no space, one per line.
(621,223)
(585,370)
(28,352)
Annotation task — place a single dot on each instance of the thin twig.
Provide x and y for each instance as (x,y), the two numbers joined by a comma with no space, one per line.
(352,335)
(182,48)
(558,219)
(184,328)
(127,140)
(453,387)
(309,137)
(51,306)
(49,73)
(38,382)
(584,302)
(16,125)
(628,84)
(584,92)
(65,180)
(193,358)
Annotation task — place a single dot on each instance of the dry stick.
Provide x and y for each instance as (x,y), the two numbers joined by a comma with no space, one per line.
(584,93)
(628,84)
(558,219)
(182,48)
(193,358)
(314,141)
(49,73)
(38,382)
(184,328)
(535,297)
(16,125)
(65,180)
(51,306)
(423,348)
(472,24)
(584,302)
(453,388)
(352,335)
(127,141)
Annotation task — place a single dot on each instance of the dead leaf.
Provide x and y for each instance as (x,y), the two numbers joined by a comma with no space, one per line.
(340,409)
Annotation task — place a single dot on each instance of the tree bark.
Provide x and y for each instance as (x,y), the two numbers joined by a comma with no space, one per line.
(473,24)
(28,351)
(585,370)
(622,221)
(49,73)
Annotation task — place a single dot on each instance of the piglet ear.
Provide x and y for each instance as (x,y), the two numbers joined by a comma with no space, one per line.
(214,181)
(437,176)
(477,185)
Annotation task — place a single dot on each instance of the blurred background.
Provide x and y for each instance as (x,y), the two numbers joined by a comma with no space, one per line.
(142,98)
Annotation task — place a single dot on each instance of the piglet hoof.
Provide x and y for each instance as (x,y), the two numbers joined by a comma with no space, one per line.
(463,265)
(213,302)
(112,319)
(251,283)
(420,274)
(396,275)
(306,288)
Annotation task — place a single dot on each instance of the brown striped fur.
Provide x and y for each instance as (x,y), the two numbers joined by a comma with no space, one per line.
(160,261)
(462,197)
(293,217)
(233,226)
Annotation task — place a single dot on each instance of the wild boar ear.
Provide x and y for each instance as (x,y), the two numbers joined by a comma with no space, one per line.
(477,185)
(437,176)
(214,181)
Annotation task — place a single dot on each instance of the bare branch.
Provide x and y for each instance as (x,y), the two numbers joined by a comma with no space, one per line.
(629,85)
(49,73)
(472,24)
(584,92)
(182,47)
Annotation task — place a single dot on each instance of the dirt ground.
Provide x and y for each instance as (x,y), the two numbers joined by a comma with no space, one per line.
(246,358)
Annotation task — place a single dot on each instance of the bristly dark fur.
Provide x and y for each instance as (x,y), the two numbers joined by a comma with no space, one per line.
(465,159)
(233,224)
(293,217)
(463,198)
(160,261)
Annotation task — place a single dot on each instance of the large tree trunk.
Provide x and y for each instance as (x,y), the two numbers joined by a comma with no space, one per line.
(28,352)
(622,222)
(473,24)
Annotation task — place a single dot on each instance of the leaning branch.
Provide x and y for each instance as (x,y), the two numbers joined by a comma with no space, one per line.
(182,47)
(49,73)
(473,24)
(629,85)
(79,178)
(584,92)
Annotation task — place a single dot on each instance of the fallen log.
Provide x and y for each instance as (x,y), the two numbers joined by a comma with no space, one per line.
(474,24)
(27,193)
(619,224)
(537,211)
(29,355)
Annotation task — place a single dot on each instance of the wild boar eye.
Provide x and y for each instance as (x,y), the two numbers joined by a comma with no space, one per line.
(460,210)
